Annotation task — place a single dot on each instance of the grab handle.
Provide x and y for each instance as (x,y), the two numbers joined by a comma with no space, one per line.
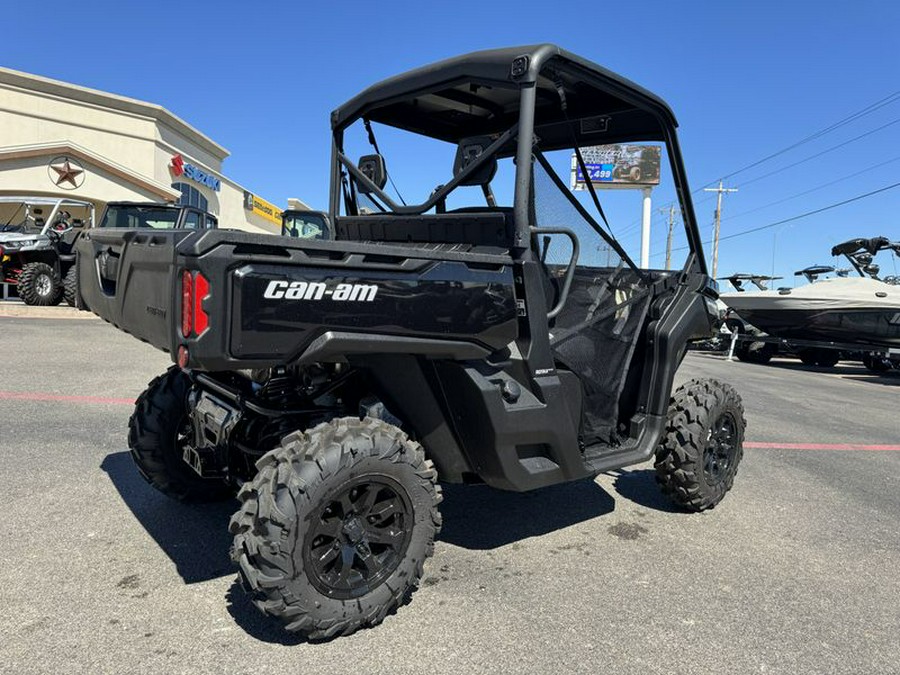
(570,270)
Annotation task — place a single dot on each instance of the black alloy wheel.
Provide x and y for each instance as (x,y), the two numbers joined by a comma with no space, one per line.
(334,529)
(699,455)
(720,449)
(357,538)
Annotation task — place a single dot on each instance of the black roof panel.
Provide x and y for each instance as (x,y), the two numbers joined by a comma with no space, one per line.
(477,94)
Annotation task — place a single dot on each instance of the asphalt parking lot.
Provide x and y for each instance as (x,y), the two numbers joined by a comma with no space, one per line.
(795,572)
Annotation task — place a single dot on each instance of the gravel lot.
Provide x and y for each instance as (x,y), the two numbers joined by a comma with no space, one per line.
(795,572)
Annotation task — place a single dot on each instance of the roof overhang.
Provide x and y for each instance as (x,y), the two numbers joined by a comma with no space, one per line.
(165,192)
(74,92)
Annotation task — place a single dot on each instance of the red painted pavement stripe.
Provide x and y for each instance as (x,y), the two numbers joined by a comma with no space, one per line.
(34,396)
(819,446)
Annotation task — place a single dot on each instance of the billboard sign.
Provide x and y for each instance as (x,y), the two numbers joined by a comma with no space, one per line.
(618,166)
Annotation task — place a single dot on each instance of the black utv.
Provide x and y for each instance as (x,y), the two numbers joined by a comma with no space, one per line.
(332,383)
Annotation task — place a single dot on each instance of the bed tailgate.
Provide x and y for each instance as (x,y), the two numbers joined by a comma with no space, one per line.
(128,277)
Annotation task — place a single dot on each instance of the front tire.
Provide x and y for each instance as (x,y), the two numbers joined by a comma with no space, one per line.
(334,530)
(704,443)
(38,284)
(158,431)
(70,286)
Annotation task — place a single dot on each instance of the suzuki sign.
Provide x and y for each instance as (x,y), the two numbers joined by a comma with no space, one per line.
(181,168)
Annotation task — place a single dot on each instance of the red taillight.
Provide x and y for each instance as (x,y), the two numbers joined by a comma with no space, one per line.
(183,357)
(201,290)
(187,303)
(194,290)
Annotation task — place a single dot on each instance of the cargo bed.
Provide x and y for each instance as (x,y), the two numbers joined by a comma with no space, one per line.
(261,300)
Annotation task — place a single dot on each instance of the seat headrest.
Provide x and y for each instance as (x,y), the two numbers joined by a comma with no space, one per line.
(469,150)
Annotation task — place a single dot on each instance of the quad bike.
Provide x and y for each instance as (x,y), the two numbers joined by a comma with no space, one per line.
(331,384)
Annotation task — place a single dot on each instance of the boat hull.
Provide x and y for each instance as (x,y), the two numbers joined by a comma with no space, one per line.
(852,311)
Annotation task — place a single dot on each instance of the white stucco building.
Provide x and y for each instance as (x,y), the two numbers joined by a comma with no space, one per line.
(59,139)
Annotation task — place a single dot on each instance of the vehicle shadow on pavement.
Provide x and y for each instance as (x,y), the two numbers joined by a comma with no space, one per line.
(639,486)
(194,536)
(254,623)
(888,379)
(198,546)
(479,517)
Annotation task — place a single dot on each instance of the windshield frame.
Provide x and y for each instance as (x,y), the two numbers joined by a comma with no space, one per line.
(175,212)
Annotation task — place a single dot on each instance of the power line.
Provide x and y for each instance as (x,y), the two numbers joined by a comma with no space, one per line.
(812,189)
(814,212)
(798,217)
(872,107)
(819,154)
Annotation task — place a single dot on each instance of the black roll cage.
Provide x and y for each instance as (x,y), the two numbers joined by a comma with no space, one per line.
(526,65)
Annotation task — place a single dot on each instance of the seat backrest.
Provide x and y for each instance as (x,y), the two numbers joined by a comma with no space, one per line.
(493,227)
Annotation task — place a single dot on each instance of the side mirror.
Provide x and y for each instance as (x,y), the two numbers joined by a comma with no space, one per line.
(372,167)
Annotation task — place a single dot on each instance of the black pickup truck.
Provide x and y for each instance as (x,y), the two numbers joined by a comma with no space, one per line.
(333,382)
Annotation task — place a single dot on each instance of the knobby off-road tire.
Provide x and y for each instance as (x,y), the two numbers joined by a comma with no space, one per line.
(157,433)
(698,459)
(38,284)
(70,286)
(334,530)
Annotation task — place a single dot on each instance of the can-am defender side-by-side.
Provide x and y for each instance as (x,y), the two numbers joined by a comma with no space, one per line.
(332,383)
(37,238)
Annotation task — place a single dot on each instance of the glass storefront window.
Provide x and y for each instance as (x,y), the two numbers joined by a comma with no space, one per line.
(190,196)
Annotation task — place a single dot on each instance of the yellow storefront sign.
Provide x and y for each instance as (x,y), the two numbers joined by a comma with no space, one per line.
(261,207)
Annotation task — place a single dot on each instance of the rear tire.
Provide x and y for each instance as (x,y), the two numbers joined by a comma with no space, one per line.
(698,459)
(334,530)
(157,432)
(38,285)
(70,286)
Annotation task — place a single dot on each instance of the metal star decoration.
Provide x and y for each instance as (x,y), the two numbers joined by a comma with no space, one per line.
(66,173)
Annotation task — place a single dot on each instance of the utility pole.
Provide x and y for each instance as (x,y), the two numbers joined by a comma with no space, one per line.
(671,210)
(720,190)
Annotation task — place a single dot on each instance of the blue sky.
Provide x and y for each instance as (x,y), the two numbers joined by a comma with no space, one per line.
(745,80)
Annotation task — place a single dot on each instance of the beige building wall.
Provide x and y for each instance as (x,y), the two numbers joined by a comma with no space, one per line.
(123,146)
